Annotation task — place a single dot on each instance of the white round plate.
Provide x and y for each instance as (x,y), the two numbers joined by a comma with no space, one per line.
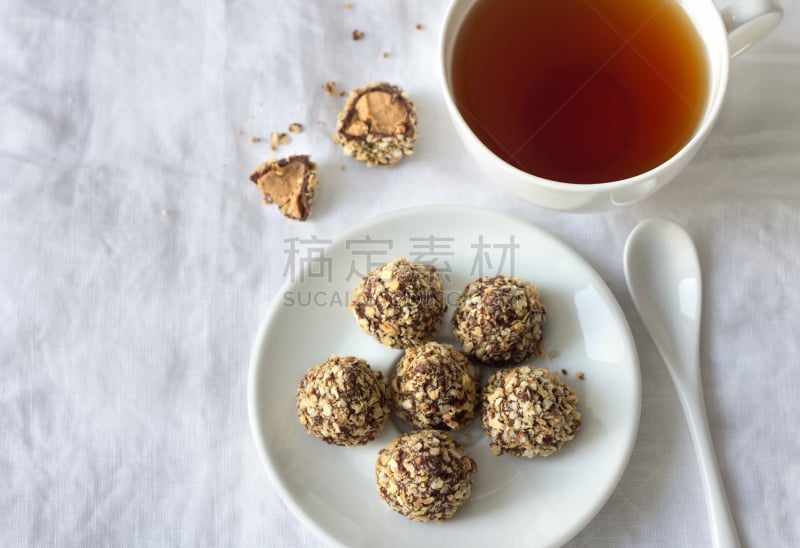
(529,502)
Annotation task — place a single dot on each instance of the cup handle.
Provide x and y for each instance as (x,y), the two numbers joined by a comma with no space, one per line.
(750,21)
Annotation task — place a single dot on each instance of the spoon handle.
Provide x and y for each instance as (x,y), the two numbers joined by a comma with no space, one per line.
(723,528)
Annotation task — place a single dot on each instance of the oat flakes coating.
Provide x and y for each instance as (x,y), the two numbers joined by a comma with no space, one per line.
(499,320)
(529,412)
(401,303)
(343,401)
(425,475)
(436,386)
(378,125)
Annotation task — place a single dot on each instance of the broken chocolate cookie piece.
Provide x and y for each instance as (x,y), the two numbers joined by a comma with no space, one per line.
(290,183)
(378,125)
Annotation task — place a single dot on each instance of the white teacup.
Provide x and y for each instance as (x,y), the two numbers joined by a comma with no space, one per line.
(724,33)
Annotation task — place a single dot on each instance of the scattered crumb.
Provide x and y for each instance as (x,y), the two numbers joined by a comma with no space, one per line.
(320,123)
(384,54)
(342,94)
(255,139)
(419,26)
(580,375)
(553,354)
(357,35)
(330,88)
(342,167)
(295,128)
(240,131)
(164,213)
(563,371)
(348,6)
(278,139)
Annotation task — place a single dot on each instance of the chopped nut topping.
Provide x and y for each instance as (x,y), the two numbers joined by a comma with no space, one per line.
(378,125)
(529,412)
(401,304)
(425,475)
(499,320)
(435,386)
(343,401)
(291,183)
(358,35)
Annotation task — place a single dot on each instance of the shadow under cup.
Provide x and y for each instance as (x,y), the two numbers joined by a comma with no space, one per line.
(578,108)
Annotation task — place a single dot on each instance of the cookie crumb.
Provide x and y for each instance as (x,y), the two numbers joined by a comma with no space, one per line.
(255,139)
(342,167)
(348,6)
(329,87)
(564,372)
(580,375)
(384,54)
(240,131)
(553,354)
(164,213)
(277,139)
(358,35)
(295,128)
(419,26)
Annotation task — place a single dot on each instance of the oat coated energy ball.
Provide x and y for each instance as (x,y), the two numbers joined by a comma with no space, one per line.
(436,386)
(529,412)
(378,125)
(499,320)
(343,401)
(401,304)
(425,475)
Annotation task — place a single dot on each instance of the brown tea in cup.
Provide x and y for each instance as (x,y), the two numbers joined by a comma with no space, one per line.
(580,91)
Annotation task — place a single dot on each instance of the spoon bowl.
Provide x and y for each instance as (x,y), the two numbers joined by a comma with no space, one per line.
(662,271)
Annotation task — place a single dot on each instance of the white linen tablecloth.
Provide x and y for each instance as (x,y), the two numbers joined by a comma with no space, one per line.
(136,262)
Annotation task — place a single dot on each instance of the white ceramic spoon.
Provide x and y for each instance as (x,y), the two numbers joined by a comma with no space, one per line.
(663,275)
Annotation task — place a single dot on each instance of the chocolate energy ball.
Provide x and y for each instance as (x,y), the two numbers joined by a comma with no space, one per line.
(290,183)
(343,401)
(401,304)
(435,386)
(425,475)
(529,412)
(499,320)
(378,125)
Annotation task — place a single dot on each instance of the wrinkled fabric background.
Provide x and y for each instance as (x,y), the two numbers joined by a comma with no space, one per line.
(136,262)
